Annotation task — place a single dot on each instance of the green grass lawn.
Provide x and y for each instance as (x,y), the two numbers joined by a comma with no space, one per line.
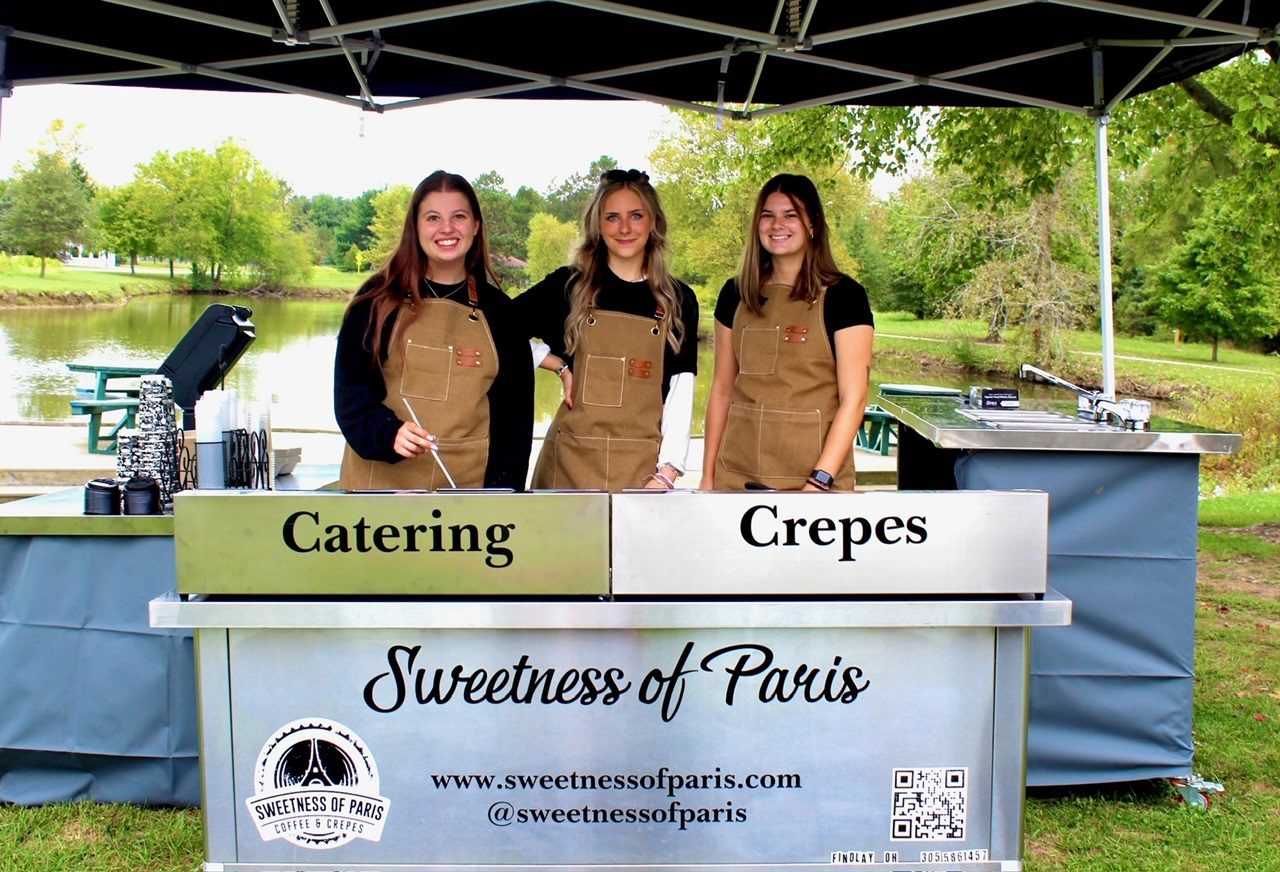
(20,285)
(23,285)
(1236,727)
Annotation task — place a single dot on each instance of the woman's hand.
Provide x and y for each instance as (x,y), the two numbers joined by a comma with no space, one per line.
(558,366)
(567,378)
(664,479)
(413,441)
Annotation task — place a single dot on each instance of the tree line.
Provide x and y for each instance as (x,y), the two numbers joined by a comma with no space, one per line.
(996,218)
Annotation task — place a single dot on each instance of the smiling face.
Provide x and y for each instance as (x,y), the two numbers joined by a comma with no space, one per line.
(446,229)
(625,225)
(784,227)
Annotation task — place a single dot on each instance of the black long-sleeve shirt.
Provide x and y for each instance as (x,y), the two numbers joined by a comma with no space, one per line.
(370,427)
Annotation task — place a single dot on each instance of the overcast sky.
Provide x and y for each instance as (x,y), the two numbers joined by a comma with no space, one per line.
(320,147)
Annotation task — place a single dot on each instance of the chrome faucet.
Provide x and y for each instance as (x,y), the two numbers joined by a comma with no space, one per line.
(1130,414)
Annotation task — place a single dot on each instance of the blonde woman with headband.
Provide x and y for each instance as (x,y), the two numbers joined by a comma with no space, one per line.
(623,338)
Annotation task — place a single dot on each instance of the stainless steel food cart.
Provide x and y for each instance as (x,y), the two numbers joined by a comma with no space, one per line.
(1111,696)
(644,681)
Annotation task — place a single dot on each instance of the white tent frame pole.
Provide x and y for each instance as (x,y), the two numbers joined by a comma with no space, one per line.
(1102,162)
(755,79)
(6,90)
(1102,166)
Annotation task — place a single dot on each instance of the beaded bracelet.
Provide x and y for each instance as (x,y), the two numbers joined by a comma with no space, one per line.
(670,485)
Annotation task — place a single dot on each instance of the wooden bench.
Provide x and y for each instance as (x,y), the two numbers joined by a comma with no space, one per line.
(877,433)
(94,409)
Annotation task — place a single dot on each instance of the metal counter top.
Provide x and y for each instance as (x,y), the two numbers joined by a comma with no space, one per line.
(1053,610)
(61,513)
(949,422)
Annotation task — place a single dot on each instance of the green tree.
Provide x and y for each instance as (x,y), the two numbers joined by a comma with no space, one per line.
(127,216)
(47,207)
(1201,133)
(708,190)
(389,207)
(1204,150)
(323,215)
(525,203)
(172,197)
(936,237)
(1221,281)
(223,212)
(550,245)
(567,200)
(506,238)
(354,229)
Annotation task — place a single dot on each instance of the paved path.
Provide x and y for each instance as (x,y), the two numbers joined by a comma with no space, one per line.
(1163,360)
(42,456)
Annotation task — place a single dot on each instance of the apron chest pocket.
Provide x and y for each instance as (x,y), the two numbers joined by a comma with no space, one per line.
(427,370)
(759,352)
(602,380)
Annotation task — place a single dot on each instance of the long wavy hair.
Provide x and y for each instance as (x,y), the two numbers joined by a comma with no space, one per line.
(398,282)
(591,259)
(819,268)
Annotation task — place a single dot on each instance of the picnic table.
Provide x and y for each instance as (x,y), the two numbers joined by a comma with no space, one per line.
(108,396)
(878,432)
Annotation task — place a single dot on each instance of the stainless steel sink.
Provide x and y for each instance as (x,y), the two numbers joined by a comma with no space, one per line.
(1032,419)
(1069,426)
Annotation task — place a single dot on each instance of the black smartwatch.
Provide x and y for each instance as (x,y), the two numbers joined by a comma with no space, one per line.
(822,479)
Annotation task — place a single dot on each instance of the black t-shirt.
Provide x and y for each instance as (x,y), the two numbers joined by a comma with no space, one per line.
(369,426)
(845,304)
(543,309)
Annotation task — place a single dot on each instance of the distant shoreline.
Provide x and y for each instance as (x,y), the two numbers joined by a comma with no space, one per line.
(24,298)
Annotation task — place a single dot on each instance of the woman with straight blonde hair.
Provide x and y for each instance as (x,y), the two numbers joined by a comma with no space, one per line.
(793,354)
(622,334)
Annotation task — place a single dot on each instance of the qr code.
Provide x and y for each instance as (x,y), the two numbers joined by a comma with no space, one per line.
(929,805)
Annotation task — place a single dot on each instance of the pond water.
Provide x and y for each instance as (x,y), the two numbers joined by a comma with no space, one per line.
(290,362)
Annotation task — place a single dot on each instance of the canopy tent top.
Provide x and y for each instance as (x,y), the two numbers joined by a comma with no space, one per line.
(753,55)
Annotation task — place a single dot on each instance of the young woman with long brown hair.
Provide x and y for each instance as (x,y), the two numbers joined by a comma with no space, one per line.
(429,360)
(793,354)
(623,337)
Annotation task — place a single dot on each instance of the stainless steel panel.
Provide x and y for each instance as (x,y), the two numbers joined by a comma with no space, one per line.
(725,747)
(669,543)
(1009,733)
(1051,611)
(218,802)
(274,543)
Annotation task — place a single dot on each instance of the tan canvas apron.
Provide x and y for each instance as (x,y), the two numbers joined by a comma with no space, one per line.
(609,439)
(443,362)
(784,397)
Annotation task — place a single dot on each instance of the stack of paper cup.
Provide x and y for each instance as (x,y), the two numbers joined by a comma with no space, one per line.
(151,449)
(210,424)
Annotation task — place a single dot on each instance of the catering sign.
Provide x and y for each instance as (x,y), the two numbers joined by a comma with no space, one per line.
(256,543)
(767,543)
